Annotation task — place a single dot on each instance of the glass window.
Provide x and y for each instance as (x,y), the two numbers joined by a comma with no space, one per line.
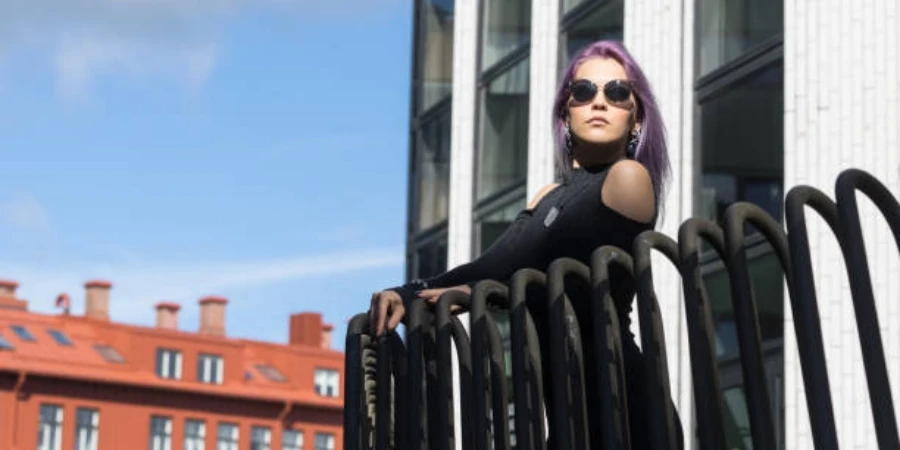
(431,259)
(109,354)
(435,58)
(292,440)
(209,368)
(227,437)
(271,373)
(324,441)
(503,153)
(741,135)
(160,433)
(50,427)
(5,344)
(168,363)
(326,382)
(260,438)
(432,171)
(494,224)
(23,333)
(602,22)
(507,27)
(194,434)
(60,337)
(728,28)
(87,427)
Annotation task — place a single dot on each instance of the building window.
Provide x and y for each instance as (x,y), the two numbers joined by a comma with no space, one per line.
(324,441)
(292,440)
(194,434)
(168,363)
(60,337)
(430,257)
(434,52)
(739,90)
(503,153)
(327,381)
(5,344)
(507,28)
(730,28)
(227,437)
(209,368)
(160,433)
(260,438)
(109,354)
(595,21)
(271,373)
(432,171)
(23,333)
(50,427)
(87,427)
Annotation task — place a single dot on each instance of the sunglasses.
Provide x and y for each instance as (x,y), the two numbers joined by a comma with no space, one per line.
(617,92)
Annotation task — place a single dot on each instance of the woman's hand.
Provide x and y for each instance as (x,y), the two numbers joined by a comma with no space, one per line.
(386,311)
(432,295)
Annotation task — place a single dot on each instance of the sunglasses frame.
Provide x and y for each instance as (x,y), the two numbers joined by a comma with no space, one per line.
(598,89)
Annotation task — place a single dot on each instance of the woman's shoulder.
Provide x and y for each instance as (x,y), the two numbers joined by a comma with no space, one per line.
(628,190)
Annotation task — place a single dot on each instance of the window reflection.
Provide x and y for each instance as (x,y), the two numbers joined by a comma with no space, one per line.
(431,259)
(742,145)
(435,57)
(604,22)
(507,27)
(432,172)
(728,28)
(503,154)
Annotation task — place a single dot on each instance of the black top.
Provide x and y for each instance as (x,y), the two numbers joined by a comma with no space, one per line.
(570,221)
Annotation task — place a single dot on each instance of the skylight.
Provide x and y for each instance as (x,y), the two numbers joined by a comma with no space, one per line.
(59,337)
(22,333)
(109,354)
(271,373)
(6,345)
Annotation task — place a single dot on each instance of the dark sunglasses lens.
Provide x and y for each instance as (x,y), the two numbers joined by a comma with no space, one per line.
(583,90)
(617,91)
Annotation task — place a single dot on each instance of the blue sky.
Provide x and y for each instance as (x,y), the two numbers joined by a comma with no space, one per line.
(256,150)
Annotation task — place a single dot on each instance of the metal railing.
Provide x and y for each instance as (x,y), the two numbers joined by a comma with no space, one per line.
(400,394)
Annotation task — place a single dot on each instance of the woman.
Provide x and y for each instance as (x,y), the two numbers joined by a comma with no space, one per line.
(613,164)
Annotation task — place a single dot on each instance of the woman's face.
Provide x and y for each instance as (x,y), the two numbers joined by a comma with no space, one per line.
(608,117)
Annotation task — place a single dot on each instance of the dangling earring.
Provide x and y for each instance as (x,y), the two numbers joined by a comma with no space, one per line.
(633,142)
(570,149)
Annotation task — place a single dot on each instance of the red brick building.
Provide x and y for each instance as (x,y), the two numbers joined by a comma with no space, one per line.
(84,382)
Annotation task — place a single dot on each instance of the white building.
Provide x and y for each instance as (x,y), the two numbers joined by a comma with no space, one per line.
(757,96)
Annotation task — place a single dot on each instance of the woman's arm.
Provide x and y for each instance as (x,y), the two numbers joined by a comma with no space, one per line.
(499,261)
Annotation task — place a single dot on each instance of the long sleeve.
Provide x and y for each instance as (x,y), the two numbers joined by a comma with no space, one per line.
(513,250)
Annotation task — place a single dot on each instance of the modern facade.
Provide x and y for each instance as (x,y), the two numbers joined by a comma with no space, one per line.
(757,97)
(84,382)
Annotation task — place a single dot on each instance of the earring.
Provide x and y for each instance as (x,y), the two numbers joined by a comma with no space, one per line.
(570,149)
(633,142)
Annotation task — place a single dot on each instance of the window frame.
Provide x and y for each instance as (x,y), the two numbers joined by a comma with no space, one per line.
(178,368)
(22,333)
(215,364)
(197,438)
(167,430)
(92,428)
(297,445)
(55,426)
(330,382)
(232,442)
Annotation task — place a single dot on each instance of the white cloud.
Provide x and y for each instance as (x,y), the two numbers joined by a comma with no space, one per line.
(178,39)
(138,286)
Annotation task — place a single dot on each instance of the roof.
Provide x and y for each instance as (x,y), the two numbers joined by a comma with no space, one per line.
(263,371)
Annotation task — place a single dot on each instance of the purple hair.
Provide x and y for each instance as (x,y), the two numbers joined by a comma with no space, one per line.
(651,149)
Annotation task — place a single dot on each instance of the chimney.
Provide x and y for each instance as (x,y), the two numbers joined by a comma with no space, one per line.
(212,315)
(8,298)
(306,329)
(326,335)
(8,288)
(167,315)
(96,302)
